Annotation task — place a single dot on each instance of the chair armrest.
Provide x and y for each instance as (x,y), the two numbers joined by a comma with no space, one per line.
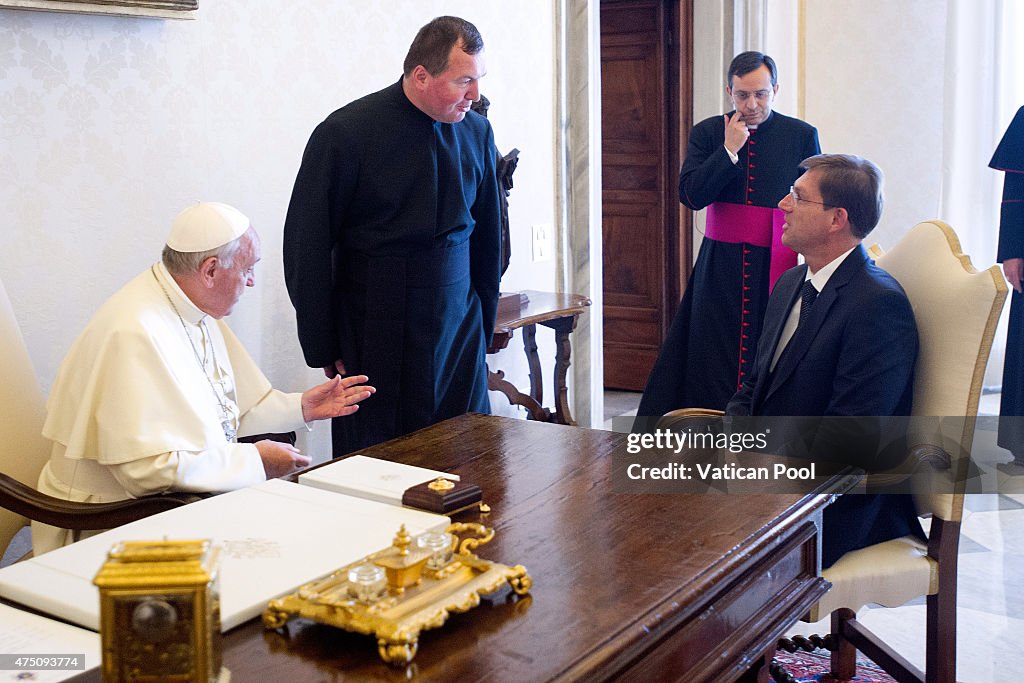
(283,437)
(694,412)
(917,458)
(27,502)
(689,417)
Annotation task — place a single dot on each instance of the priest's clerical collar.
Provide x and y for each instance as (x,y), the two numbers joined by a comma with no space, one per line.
(189,312)
(764,123)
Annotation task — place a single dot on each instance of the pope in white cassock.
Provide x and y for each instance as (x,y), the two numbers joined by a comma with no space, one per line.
(152,394)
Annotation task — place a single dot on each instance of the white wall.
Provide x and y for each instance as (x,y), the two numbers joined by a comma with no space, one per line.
(874,87)
(109,126)
(875,78)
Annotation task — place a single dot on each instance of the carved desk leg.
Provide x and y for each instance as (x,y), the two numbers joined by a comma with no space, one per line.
(563,327)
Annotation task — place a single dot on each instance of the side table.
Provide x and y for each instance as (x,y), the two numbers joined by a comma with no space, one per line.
(557,311)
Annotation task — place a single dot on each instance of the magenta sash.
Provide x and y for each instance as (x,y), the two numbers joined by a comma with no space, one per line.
(757,225)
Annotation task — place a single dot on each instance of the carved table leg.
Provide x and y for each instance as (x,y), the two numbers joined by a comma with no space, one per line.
(496,382)
(563,327)
(561,414)
(536,376)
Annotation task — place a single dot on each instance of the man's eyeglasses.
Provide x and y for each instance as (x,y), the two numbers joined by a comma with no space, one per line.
(797,199)
(743,96)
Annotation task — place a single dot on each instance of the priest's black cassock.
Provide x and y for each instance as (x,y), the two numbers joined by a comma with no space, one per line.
(1009,157)
(391,253)
(714,335)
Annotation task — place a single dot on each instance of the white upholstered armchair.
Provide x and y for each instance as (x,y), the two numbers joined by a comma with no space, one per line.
(957,309)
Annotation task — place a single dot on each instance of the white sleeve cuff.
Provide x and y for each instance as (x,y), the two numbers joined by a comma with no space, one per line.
(224,468)
(276,412)
(734,158)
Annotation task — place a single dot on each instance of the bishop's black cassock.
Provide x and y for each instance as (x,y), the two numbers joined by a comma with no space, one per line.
(391,253)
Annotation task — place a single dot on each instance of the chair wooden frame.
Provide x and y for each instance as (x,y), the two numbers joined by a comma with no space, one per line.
(848,635)
(24,500)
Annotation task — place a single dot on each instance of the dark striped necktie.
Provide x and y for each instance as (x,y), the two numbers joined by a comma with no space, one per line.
(807,296)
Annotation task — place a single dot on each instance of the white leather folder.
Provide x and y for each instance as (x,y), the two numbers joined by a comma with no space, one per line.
(23,633)
(371,478)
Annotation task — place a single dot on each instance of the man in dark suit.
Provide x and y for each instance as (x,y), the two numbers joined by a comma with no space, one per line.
(839,338)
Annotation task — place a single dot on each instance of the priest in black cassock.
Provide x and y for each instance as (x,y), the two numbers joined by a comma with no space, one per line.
(739,166)
(392,241)
(1009,157)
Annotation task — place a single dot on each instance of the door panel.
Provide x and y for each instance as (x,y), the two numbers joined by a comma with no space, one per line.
(646,248)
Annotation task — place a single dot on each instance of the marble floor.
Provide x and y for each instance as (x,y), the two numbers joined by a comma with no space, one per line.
(990,611)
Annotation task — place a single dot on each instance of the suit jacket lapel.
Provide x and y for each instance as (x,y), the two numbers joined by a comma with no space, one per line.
(806,333)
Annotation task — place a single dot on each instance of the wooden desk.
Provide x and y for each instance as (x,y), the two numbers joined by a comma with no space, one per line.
(559,312)
(644,587)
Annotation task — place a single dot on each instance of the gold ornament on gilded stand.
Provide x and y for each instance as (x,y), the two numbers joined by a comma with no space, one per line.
(404,589)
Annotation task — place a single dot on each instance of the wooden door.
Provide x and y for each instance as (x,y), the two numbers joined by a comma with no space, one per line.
(645,100)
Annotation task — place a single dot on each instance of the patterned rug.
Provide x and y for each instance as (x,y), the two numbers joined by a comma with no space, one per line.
(812,667)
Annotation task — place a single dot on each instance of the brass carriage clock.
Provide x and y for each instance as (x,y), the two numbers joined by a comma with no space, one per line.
(160,611)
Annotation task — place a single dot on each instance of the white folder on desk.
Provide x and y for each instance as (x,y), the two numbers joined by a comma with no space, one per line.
(274,537)
(371,478)
(23,633)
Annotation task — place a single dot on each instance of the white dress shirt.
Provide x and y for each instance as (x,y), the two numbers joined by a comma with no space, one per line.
(819,280)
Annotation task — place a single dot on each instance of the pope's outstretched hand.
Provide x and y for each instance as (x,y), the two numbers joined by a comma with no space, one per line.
(336,397)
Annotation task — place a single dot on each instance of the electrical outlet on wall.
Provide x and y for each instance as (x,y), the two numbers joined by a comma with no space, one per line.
(541,242)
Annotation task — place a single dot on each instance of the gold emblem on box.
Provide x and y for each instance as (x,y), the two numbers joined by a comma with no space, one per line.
(441,484)
(418,588)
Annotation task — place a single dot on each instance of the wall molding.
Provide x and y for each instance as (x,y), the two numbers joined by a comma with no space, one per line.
(164,9)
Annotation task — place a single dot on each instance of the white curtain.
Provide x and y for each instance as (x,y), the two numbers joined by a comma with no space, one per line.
(984,86)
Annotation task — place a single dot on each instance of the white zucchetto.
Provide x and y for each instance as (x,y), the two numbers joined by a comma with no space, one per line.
(205,226)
